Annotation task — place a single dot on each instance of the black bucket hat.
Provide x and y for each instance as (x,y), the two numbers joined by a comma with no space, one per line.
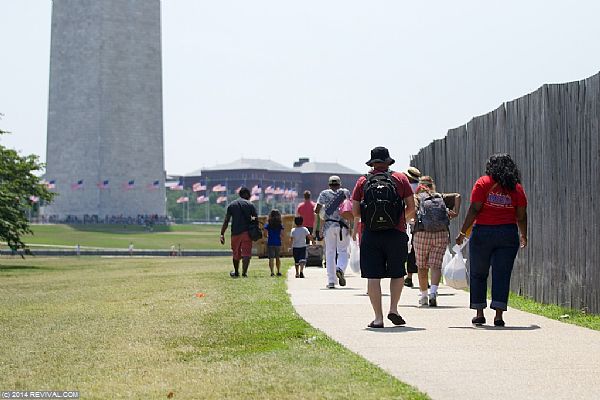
(380,154)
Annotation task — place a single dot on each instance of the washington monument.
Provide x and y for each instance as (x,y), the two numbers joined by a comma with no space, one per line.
(105,128)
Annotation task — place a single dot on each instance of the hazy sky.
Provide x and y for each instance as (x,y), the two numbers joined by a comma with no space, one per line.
(321,79)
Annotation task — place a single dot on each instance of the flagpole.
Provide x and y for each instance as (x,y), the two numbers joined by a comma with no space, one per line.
(260,197)
(208,202)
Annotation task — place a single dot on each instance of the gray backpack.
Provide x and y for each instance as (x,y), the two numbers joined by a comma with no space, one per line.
(432,214)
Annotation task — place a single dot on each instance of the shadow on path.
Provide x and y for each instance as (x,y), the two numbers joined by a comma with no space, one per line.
(498,328)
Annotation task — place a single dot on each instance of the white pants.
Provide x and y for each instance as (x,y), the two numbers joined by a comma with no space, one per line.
(333,244)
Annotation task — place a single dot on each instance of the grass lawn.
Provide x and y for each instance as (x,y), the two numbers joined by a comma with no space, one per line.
(190,237)
(576,317)
(139,328)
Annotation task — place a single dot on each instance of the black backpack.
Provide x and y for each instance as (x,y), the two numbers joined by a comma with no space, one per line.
(381,206)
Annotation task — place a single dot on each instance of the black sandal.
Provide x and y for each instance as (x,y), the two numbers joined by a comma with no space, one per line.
(499,322)
(396,319)
(374,325)
(478,321)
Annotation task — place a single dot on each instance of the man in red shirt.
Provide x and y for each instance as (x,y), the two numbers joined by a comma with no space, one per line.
(306,210)
(383,249)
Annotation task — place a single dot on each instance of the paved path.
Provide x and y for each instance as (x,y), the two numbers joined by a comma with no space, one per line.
(442,354)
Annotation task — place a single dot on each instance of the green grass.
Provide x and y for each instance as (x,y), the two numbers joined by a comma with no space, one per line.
(568,315)
(134,328)
(190,237)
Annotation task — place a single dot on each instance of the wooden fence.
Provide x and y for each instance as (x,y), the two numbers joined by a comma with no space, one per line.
(552,134)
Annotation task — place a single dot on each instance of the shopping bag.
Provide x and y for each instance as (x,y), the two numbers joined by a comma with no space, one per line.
(447,258)
(354,256)
(455,272)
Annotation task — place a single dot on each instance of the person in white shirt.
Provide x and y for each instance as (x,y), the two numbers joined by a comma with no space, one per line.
(298,239)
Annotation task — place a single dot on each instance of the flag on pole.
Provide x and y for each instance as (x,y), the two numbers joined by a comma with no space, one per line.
(221,199)
(34,199)
(254,198)
(78,185)
(278,191)
(201,199)
(50,185)
(198,187)
(177,186)
(155,185)
(219,188)
(269,190)
(183,199)
(103,184)
(129,185)
(256,189)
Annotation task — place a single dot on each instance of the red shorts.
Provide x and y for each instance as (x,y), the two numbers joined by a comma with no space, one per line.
(241,245)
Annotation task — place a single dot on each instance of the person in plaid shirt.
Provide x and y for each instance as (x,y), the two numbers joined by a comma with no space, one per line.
(431,246)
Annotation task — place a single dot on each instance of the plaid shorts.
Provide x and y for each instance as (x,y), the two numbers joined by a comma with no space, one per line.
(430,248)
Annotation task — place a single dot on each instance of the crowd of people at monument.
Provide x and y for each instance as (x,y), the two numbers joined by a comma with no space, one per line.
(401,224)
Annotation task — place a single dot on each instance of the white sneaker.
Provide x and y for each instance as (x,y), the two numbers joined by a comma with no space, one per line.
(423,300)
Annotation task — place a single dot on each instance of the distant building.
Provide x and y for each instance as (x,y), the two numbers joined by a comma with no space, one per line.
(269,175)
(315,174)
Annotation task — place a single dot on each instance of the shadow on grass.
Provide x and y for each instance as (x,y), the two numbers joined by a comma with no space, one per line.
(17,267)
(499,328)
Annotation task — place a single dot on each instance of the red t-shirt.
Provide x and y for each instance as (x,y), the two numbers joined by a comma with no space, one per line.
(306,210)
(403,189)
(499,204)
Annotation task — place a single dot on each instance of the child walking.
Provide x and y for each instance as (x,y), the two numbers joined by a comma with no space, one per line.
(298,240)
(274,229)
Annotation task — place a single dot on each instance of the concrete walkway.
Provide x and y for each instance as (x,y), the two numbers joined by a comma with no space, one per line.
(443,355)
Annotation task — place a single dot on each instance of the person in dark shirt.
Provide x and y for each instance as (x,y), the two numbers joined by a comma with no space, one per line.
(241,212)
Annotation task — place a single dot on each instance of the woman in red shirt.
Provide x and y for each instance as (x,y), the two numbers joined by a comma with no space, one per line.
(499,210)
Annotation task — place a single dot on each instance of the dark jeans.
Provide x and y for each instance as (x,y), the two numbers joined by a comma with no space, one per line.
(495,246)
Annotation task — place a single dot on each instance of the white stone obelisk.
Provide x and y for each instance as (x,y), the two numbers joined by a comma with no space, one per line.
(105,109)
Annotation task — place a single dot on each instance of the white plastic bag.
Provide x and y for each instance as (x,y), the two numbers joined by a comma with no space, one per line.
(354,256)
(446,259)
(455,272)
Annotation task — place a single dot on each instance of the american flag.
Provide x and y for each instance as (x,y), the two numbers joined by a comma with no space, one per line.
(219,188)
(49,185)
(130,185)
(78,185)
(278,191)
(34,199)
(177,186)
(183,200)
(155,185)
(256,189)
(198,187)
(254,198)
(201,199)
(221,199)
(238,189)
(269,190)
(103,184)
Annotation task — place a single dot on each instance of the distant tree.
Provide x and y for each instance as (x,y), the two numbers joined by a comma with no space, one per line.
(18,186)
